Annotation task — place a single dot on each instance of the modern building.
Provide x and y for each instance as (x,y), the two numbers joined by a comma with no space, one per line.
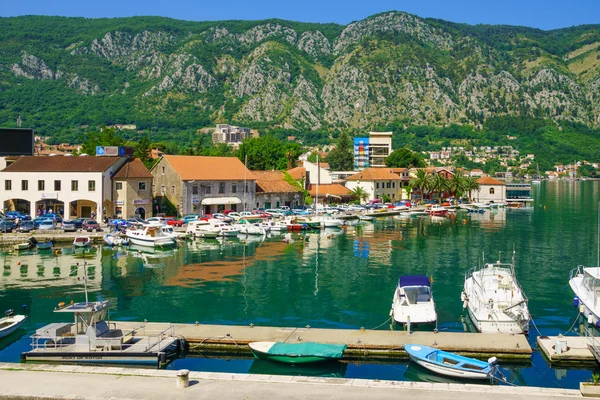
(71,186)
(490,191)
(224,133)
(372,151)
(272,191)
(202,185)
(377,183)
(132,191)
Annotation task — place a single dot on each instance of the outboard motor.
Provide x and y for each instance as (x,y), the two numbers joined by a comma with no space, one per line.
(9,313)
(492,361)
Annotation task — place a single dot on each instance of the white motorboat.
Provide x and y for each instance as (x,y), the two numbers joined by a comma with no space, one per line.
(202,229)
(169,231)
(494,299)
(413,301)
(151,236)
(249,228)
(10,323)
(225,230)
(329,222)
(115,240)
(277,226)
(585,282)
(366,218)
(81,241)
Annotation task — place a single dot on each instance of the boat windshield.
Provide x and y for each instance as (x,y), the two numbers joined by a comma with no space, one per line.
(417,294)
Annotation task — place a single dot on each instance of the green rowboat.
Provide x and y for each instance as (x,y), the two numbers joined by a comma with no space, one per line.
(297,353)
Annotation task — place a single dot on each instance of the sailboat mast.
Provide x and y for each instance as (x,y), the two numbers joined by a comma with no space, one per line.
(598,234)
(318,179)
(245,169)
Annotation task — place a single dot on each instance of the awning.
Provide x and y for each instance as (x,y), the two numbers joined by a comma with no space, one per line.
(209,201)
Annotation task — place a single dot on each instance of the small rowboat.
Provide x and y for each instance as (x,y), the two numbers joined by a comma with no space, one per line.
(22,246)
(44,246)
(81,241)
(450,364)
(297,353)
(10,323)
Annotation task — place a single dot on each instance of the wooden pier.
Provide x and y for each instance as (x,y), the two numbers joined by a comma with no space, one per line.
(362,344)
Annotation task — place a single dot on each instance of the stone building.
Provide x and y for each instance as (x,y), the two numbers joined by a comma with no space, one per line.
(202,185)
(132,190)
(272,191)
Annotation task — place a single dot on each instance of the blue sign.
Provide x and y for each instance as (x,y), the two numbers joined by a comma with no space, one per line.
(361,153)
(99,150)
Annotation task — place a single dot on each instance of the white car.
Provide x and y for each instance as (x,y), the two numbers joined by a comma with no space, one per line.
(222,217)
(157,220)
(274,213)
(47,224)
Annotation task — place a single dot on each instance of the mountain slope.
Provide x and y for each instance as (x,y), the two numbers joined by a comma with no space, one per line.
(58,73)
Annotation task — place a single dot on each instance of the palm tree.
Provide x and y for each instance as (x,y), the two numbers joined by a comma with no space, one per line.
(360,193)
(456,184)
(439,184)
(420,182)
(471,184)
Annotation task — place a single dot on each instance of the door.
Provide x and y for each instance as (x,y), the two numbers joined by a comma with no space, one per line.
(141,212)
(86,212)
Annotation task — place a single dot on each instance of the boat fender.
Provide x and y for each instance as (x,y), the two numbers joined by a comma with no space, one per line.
(597,324)
(465,304)
(590,319)
(492,361)
(581,308)
(576,301)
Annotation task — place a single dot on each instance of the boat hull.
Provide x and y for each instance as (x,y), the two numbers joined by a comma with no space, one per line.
(12,324)
(448,371)
(290,359)
(504,327)
(143,359)
(161,242)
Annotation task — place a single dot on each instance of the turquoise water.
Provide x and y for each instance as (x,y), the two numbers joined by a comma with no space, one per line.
(328,280)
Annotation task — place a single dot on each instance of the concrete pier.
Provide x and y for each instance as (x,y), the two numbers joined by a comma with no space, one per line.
(25,381)
(576,352)
(362,344)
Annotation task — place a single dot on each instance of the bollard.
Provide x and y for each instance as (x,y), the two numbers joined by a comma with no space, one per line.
(183,378)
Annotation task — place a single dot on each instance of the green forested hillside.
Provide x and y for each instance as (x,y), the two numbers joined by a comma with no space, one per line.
(390,71)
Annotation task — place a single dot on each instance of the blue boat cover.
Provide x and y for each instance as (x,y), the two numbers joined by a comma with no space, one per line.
(414,280)
(308,349)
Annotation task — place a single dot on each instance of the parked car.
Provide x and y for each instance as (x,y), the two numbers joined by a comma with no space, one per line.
(26,226)
(222,217)
(37,221)
(17,214)
(91,225)
(56,217)
(174,221)
(117,222)
(69,225)
(273,213)
(261,213)
(206,217)
(191,217)
(7,225)
(135,220)
(47,224)
(226,212)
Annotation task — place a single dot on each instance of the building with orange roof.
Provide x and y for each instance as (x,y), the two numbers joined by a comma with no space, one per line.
(378,183)
(331,193)
(203,185)
(132,191)
(272,190)
(490,190)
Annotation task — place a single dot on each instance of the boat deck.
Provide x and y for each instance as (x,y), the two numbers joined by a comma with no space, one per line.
(362,344)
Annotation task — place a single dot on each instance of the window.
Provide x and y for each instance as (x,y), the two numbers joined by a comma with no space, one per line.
(142,186)
(163,170)
(492,190)
(221,187)
(207,189)
(163,189)
(393,185)
(194,189)
(57,185)
(233,188)
(377,185)
(172,189)
(41,185)
(389,185)
(118,185)
(92,186)
(8,184)
(24,185)
(74,186)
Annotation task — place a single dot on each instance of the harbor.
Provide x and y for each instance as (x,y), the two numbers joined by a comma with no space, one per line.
(339,282)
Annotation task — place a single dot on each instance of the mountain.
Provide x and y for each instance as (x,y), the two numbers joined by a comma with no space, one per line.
(59,73)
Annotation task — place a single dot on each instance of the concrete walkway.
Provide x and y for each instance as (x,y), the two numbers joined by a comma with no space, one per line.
(19,381)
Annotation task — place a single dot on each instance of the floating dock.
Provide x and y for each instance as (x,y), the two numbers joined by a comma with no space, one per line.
(362,344)
(567,350)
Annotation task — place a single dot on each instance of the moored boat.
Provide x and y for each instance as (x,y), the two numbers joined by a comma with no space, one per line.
(22,246)
(10,323)
(585,282)
(44,245)
(202,229)
(437,211)
(114,240)
(494,299)
(81,241)
(151,236)
(450,364)
(297,353)
(413,301)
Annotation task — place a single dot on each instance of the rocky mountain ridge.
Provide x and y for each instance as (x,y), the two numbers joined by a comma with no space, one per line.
(390,67)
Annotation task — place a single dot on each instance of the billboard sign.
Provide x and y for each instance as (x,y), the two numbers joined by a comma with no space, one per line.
(16,142)
(361,153)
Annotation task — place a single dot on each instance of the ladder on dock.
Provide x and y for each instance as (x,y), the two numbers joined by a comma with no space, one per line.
(593,343)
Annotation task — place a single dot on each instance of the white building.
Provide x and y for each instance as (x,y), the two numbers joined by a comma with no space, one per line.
(372,151)
(377,183)
(71,186)
(230,134)
(490,191)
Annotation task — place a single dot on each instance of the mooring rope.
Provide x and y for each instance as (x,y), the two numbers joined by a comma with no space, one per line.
(379,326)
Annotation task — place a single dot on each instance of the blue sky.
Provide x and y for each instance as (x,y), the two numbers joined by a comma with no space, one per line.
(544,14)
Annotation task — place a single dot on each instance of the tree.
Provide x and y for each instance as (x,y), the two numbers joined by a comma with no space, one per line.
(341,157)
(439,184)
(420,182)
(360,194)
(268,153)
(471,184)
(404,158)
(143,151)
(456,184)
(300,185)
(104,137)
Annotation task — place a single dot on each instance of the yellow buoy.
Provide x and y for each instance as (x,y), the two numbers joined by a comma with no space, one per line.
(61,304)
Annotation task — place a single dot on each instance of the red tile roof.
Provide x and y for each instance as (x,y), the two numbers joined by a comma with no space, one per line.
(200,168)
(334,189)
(486,180)
(375,174)
(133,169)
(61,164)
(273,182)
(298,173)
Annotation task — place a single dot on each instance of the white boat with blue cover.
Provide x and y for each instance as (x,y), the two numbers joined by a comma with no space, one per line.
(450,364)
(413,301)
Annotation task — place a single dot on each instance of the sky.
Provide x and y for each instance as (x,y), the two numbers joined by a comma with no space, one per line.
(543,14)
